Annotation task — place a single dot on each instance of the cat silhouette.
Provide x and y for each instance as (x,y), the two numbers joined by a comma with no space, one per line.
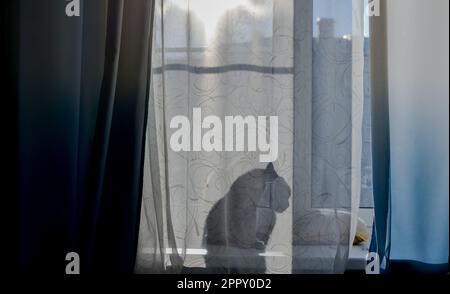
(239,225)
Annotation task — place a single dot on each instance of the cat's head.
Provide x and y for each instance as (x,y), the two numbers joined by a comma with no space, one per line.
(264,187)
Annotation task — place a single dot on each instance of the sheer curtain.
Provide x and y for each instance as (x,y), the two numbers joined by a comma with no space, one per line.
(227,212)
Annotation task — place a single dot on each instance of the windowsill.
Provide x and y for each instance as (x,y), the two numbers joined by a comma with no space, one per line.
(194,257)
(356,262)
(357,257)
(358,253)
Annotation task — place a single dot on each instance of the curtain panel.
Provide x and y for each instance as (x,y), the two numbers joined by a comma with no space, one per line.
(410,136)
(210,211)
(82,88)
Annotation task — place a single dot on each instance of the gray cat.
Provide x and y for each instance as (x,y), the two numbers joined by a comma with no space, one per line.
(239,225)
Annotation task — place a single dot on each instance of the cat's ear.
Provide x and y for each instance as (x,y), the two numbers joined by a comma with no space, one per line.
(270,169)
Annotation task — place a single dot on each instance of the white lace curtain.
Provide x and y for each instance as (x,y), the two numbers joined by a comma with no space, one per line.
(299,60)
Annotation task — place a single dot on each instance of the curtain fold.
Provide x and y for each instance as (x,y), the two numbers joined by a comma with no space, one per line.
(83,85)
(380,135)
(209,211)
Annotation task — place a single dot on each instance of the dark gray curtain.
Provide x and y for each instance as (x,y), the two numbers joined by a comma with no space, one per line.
(81,87)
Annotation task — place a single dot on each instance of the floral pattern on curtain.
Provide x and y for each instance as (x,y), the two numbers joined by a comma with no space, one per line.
(255,58)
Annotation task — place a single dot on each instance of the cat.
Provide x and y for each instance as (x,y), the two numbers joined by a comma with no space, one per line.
(239,225)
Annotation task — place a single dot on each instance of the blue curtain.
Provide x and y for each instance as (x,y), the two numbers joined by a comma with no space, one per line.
(411,152)
(81,88)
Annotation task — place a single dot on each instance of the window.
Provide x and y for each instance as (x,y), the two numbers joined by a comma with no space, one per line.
(332,47)
(241,59)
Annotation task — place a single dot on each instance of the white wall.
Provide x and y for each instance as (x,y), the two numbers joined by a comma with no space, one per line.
(418,50)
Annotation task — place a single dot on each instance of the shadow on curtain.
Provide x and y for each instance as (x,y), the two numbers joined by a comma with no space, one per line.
(218,212)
